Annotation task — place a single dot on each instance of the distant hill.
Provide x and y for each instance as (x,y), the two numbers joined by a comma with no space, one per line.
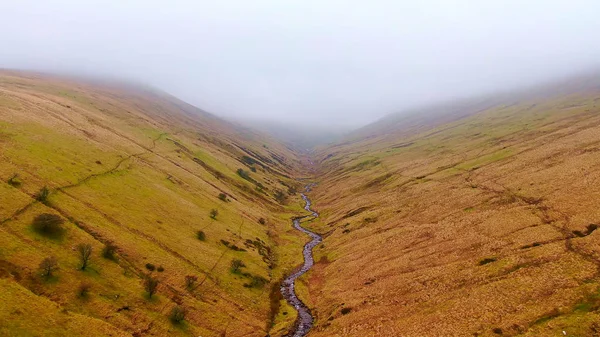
(418,119)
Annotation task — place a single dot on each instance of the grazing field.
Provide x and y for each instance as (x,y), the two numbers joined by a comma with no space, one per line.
(479,225)
(159,190)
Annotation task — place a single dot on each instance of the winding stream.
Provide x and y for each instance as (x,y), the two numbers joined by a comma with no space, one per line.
(305,319)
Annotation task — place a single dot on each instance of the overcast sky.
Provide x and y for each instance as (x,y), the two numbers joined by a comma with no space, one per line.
(337,62)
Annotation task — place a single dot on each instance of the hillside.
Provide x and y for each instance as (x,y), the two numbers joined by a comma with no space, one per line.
(136,174)
(473,219)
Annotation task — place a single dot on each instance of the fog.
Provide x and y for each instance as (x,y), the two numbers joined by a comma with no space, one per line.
(339,63)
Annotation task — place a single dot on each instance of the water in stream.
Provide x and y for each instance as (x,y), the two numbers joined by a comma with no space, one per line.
(305,320)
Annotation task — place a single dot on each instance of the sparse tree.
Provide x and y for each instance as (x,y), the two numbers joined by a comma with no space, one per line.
(280,197)
(243,174)
(236,265)
(223,196)
(201,236)
(48,224)
(84,289)
(190,281)
(150,285)
(48,265)
(14,180)
(84,251)
(150,266)
(177,314)
(109,251)
(43,194)
(213,213)
(262,221)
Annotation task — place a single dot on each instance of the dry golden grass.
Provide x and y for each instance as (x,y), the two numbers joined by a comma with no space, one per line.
(465,228)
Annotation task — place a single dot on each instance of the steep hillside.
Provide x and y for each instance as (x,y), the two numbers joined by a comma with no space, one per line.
(480,223)
(156,188)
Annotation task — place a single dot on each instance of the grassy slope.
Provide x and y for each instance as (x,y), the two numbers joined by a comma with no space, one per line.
(411,218)
(142,170)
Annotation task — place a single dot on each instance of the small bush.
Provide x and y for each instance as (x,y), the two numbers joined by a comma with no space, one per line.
(236,265)
(150,285)
(256,282)
(48,224)
(243,174)
(253,169)
(213,213)
(84,251)
(223,196)
(150,266)
(160,269)
(280,197)
(42,195)
(177,314)
(201,236)
(109,251)
(346,311)
(248,160)
(487,260)
(48,265)
(84,289)
(14,180)
(262,221)
(190,281)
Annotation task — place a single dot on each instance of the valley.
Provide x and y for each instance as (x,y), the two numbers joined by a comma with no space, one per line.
(476,218)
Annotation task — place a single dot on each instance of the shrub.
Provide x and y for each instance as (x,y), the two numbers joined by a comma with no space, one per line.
(248,160)
(262,221)
(109,251)
(84,289)
(48,224)
(201,236)
(42,195)
(243,174)
(150,266)
(486,261)
(84,251)
(280,197)
(236,265)
(253,169)
(150,285)
(177,314)
(213,213)
(346,311)
(256,282)
(160,269)
(48,265)
(223,196)
(190,281)
(14,180)
(260,187)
